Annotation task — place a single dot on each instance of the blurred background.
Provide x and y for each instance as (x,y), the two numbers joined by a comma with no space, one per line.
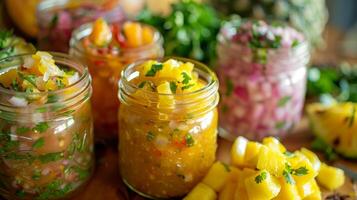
(330,25)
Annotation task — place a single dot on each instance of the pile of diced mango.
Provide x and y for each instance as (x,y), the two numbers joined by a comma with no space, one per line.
(264,171)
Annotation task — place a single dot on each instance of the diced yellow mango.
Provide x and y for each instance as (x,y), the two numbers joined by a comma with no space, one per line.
(274,143)
(271,160)
(202,192)
(313,158)
(299,161)
(238,151)
(241,192)
(148,35)
(101,33)
(314,196)
(308,188)
(331,177)
(7,78)
(217,176)
(234,174)
(133,34)
(267,188)
(165,100)
(252,153)
(288,191)
(228,191)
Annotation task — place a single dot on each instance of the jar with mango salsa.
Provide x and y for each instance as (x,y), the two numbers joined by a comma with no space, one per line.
(168,126)
(106,48)
(46,139)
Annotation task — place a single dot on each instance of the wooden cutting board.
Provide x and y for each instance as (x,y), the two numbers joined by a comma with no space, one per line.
(106,182)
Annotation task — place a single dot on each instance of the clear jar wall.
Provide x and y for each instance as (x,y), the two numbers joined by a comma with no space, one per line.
(46,151)
(58,18)
(155,158)
(260,100)
(105,72)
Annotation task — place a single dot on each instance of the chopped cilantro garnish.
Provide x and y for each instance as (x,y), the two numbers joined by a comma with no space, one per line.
(15,85)
(173,87)
(20,193)
(187,86)
(5,38)
(50,157)
(82,174)
(288,178)
(142,84)
(154,68)
(52,98)
(36,175)
(301,171)
(150,136)
(295,43)
(261,177)
(59,83)
(38,143)
(28,77)
(41,127)
(186,78)
(22,130)
(189,140)
(226,167)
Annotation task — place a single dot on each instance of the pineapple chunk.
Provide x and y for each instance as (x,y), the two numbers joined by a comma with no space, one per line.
(262,186)
(300,161)
(274,143)
(288,191)
(315,161)
(252,153)
(271,160)
(217,176)
(307,189)
(238,151)
(331,177)
(164,99)
(228,191)
(202,192)
(101,33)
(234,174)
(241,192)
(133,33)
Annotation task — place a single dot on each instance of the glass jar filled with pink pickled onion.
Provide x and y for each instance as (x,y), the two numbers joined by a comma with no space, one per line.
(262,68)
(58,18)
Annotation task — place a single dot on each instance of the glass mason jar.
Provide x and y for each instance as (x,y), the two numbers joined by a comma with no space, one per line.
(58,18)
(164,153)
(260,99)
(46,150)
(105,72)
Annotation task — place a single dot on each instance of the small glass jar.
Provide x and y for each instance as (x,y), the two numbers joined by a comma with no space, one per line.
(105,72)
(164,151)
(262,89)
(58,18)
(46,150)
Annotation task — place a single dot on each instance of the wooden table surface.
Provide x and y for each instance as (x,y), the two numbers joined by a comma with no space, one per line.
(106,183)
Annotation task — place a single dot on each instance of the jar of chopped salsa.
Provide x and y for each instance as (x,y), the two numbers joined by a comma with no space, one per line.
(46,126)
(263,73)
(58,18)
(106,48)
(168,126)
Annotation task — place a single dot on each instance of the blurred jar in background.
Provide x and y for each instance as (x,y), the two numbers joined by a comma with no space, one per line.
(106,49)
(58,18)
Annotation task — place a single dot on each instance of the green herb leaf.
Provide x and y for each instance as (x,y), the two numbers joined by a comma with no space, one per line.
(288,154)
(38,143)
(283,101)
(22,130)
(52,98)
(54,21)
(36,175)
(59,83)
(15,86)
(186,78)
(288,178)
(154,68)
(187,86)
(50,157)
(301,171)
(20,193)
(261,177)
(82,173)
(142,84)
(41,127)
(150,136)
(226,167)
(28,77)
(189,140)
(173,87)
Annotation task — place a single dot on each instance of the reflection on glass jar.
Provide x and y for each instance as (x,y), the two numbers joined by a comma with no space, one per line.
(46,138)
(166,148)
(105,64)
(262,69)
(58,18)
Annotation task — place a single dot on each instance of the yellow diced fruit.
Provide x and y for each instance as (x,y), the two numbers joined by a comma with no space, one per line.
(300,161)
(217,176)
(228,191)
(252,153)
(170,70)
(308,188)
(133,34)
(238,151)
(314,196)
(202,192)
(262,186)
(165,101)
(288,191)
(148,35)
(101,33)
(274,143)
(330,177)
(271,160)
(241,192)
(313,158)
(7,78)
(234,174)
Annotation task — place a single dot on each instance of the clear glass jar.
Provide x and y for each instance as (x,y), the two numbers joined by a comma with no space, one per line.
(58,18)
(262,90)
(165,151)
(46,150)
(105,72)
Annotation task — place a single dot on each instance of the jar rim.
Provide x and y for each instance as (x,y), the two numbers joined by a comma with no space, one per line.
(49,4)
(84,30)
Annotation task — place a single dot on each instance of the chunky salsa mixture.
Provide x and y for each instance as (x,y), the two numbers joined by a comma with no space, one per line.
(167,130)
(106,50)
(46,145)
